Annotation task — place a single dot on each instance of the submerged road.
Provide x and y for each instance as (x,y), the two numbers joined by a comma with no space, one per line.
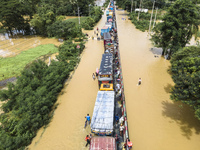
(155,122)
(66,130)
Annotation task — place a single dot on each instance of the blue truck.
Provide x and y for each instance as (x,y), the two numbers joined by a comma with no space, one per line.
(104,30)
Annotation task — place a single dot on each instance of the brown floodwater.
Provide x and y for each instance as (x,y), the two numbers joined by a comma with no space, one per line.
(154,121)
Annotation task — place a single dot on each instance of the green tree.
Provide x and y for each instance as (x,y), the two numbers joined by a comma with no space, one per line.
(185,67)
(11,16)
(178,26)
(63,29)
(45,17)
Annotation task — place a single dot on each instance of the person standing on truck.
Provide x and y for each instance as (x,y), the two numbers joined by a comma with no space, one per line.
(87,139)
(121,129)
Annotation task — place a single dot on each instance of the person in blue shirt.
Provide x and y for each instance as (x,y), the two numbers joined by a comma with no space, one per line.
(87,120)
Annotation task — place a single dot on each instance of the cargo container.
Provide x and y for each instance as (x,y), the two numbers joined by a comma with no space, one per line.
(103,113)
(103,143)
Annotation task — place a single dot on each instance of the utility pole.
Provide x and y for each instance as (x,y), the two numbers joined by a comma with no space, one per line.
(79,19)
(89,9)
(151,16)
(155,17)
(135,5)
(131,6)
(139,10)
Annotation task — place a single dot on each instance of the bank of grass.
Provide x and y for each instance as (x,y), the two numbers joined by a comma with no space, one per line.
(12,66)
(76,20)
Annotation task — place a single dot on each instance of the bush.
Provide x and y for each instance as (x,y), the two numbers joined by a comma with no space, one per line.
(143,23)
(96,14)
(63,29)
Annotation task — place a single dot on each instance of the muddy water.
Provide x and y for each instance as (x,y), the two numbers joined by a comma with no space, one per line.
(155,122)
(66,131)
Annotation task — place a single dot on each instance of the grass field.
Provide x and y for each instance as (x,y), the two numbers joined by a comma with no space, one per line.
(75,20)
(12,66)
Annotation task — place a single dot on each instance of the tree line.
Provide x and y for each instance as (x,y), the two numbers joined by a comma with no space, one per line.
(39,16)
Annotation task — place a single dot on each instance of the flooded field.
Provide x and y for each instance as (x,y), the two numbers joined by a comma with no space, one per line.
(11,46)
(155,122)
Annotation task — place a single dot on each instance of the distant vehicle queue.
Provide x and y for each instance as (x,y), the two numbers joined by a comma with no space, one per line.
(109,122)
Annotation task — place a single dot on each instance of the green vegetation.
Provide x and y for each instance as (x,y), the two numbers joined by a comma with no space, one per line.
(143,23)
(63,29)
(12,66)
(105,5)
(186,76)
(146,4)
(76,20)
(177,27)
(96,14)
(40,14)
(29,103)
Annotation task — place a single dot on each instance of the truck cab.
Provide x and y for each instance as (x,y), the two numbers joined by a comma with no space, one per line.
(106,87)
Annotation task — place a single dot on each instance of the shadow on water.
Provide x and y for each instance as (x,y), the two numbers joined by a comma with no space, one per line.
(168,88)
(183,115)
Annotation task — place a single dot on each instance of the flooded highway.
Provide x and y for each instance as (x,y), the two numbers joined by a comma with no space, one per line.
(66,130)
(154,121)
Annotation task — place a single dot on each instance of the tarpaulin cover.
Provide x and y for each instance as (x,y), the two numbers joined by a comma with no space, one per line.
(106,67)
(102,119)
(106,36)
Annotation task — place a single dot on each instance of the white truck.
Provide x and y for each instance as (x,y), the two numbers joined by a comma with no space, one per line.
(103,114)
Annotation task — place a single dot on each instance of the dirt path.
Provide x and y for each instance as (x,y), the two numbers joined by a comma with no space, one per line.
(66,131)
(155,122)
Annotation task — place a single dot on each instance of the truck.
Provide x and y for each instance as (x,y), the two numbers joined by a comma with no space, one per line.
(110,25)
(107,12)
(106,69)
(104,30)
(109,17)
(111,14)
(109,48)
(107,38)
(103,114)
(103,143)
